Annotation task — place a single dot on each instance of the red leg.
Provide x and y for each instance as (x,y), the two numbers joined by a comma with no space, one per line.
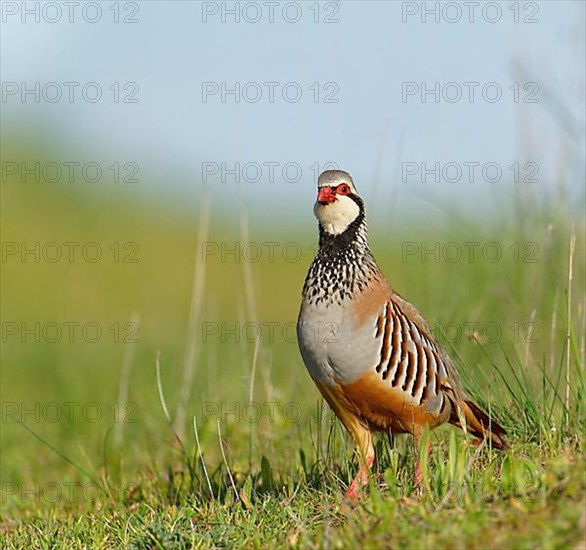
(418,479)
(354,492)
(366,456)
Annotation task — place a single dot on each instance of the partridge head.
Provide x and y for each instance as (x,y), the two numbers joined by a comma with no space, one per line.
(338,204)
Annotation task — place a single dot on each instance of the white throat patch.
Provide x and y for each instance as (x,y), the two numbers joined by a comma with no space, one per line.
(338,215)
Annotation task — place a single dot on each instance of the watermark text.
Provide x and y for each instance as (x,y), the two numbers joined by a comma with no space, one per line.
(469,251)
(53,332)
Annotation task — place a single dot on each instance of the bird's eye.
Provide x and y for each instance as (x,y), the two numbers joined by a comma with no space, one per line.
(343,189)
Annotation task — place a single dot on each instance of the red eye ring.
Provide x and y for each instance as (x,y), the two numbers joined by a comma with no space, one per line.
(343,189)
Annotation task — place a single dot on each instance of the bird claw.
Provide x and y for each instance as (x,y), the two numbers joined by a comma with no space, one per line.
(356,490)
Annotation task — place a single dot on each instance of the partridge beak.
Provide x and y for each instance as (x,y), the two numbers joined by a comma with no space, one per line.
(325,195)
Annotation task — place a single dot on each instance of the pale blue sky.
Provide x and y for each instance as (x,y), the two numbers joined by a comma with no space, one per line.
(368,54)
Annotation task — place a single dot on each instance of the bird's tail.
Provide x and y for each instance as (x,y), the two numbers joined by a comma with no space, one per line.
(478,423)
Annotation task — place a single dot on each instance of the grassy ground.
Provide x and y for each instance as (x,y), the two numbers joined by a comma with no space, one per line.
(93,451)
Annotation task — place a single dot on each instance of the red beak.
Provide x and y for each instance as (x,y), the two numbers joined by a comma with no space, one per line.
(325,195)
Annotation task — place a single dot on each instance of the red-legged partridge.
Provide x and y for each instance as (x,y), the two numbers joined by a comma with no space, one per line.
(369,351)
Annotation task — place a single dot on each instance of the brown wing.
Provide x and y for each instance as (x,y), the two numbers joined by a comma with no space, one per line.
(463,409)
(450,378)
(406,386)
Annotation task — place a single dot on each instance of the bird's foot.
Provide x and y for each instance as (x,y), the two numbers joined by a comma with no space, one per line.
(418,479)
(354,493)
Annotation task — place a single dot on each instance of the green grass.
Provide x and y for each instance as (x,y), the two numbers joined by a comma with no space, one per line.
(132,479)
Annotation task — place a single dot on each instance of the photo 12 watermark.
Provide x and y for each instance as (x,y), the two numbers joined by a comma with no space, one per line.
(52,252)
(255,251)
(70,332)
(470,12)
(69,172)
(469,92)
(469,251)
(69,92)
(70,12)
(270,12)
(469,172)
(489,332)
(266,331)
(251,412)
(270,92)
(54,412)
(265,171)
(54,492)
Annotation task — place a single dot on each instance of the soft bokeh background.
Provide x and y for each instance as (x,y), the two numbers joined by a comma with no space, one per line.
(173,295)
